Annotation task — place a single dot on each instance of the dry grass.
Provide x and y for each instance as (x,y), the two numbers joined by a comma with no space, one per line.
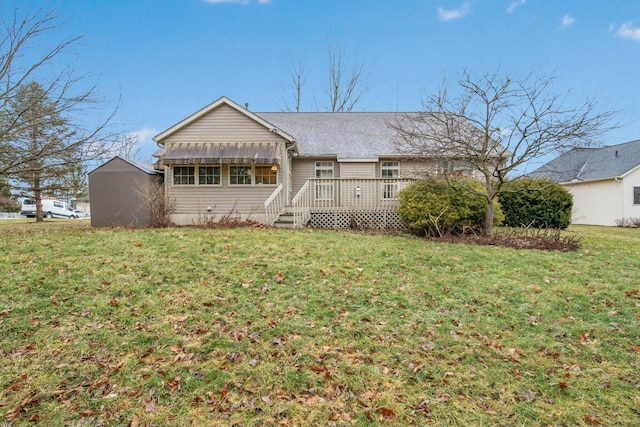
(264,327)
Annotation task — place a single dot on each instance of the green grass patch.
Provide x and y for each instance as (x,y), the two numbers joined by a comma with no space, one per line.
(260,327)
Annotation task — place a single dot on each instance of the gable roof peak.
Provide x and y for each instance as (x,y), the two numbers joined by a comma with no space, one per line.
(223,100)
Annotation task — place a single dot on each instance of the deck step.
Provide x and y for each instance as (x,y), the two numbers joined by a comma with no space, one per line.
(285,220)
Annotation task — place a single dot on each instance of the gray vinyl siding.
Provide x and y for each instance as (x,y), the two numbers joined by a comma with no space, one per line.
(358,170)
(304,169)
(116,198)
(224,124)
(223,199)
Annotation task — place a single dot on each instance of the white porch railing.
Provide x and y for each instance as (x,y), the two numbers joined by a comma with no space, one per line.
(347,194)
(274,205)
(301,213)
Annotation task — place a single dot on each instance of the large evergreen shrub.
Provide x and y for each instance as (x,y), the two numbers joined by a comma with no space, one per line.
(536,203)
(436,207)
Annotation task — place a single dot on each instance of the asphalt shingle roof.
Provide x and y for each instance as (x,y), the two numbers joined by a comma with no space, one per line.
(588,164)
(347,135)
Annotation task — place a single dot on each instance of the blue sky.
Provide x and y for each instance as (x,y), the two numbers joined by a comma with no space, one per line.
(166,59)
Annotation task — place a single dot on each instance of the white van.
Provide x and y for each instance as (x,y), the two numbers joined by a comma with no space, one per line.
(50,209)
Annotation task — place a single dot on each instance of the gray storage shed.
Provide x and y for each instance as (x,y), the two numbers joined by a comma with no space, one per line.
(116,190)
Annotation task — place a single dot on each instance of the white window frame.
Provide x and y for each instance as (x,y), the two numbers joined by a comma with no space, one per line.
(196,176)
(389,190)
(252,176)
(324,190)
(389,166)
(219,175)
(181,184)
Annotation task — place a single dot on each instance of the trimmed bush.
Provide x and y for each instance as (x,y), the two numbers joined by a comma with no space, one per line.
(536,203)
(437,207)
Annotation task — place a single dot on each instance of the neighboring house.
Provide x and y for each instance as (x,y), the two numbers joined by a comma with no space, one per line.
(329,169)
(605,182)
(117,191)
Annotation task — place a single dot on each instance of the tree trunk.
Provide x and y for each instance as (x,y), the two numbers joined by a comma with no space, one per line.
(488,218)
(37,192)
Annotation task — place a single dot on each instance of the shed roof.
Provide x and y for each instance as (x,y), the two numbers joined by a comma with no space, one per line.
(143,166)
(592,164)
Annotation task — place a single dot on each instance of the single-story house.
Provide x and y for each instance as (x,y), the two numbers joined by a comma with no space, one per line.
(119,187)
(325,168)
(605,182)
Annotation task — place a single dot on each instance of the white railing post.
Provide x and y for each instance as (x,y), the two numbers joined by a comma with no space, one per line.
(274,205)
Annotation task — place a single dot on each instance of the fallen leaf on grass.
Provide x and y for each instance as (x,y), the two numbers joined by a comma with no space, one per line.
(388,413)
(174,384)
(528,396)
(150,405)
(279,277)
(592,420)
(516,354)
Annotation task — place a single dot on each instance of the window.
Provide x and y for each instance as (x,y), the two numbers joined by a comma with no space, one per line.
(389,170)
(206,175)
(445,167)
(184,175)
(324,169)
(460,167)
(209,175)
(324,190)
(240,175)
(636,195)
(266,174)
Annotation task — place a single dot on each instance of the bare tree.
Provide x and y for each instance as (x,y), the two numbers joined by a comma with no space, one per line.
(297,76)
(38,95)
(344,88)
(495,124)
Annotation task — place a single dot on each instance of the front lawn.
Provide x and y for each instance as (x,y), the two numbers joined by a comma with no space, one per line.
(265,327)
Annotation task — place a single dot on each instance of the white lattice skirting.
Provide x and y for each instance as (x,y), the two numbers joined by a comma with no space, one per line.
(358,220)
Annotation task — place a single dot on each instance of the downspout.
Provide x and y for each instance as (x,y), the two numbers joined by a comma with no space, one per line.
(294,153)
(618,179)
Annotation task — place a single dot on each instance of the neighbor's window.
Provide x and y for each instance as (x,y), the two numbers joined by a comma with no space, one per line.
(266,174)
(184,175)
(240,175)
(209,175)
(636,195)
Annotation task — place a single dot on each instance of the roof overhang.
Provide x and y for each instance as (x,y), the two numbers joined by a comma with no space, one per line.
(358,159)
(266,153)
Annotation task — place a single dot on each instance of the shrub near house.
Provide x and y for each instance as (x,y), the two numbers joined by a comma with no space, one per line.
(538,203)
(436,206)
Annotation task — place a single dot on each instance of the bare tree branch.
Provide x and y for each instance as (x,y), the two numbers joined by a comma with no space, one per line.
(496,124)
(344,89)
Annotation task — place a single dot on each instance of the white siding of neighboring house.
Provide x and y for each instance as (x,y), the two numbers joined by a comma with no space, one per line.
(606,201)
(596,202)
(631,180)
(223,124)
